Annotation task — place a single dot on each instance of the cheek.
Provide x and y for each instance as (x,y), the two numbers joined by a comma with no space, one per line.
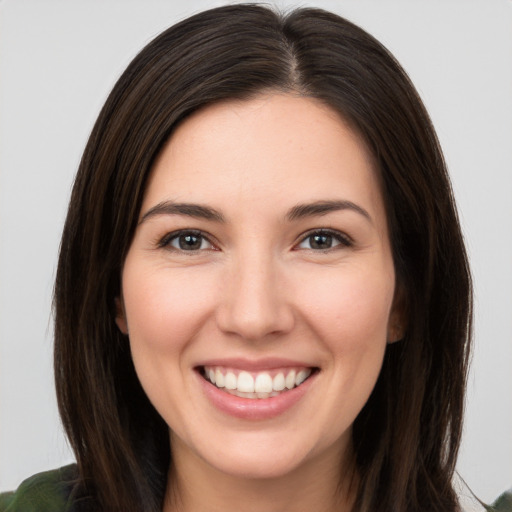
(164,312)
(351,317)
(350,309)
(164,309)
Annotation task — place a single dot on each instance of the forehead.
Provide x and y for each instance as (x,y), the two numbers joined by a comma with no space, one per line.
(256,151)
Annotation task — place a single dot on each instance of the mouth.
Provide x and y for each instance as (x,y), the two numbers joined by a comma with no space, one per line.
(256,385)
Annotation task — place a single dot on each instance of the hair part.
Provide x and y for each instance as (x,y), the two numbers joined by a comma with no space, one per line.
(407,436)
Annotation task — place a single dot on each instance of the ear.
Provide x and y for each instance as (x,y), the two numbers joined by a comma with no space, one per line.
(397,324)
(121,322)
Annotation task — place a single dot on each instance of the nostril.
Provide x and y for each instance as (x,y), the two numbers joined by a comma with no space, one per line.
(255,322)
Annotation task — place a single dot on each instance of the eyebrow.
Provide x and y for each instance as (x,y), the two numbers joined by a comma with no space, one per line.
(323,208)
(196,211)
(297,212)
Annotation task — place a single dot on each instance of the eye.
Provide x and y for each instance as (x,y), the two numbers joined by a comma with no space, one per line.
(188,240)
(323,240)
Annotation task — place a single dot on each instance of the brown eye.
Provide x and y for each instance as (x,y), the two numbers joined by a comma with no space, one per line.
(320,241)
(324,240)
(187,241)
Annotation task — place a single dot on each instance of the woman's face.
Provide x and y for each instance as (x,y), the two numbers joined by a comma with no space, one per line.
(261,262)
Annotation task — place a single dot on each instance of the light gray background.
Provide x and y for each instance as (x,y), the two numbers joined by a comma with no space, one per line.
(58,61)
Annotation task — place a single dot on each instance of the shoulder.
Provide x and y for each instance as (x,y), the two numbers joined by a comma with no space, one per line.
(45,492)
(470,503)
(503,503)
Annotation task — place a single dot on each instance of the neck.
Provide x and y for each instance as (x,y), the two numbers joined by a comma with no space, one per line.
(322,485)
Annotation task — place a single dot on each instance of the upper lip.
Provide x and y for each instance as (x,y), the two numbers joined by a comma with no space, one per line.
(255,365)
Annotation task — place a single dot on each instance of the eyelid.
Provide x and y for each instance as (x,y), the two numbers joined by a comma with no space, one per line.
(341,237)
(164,241)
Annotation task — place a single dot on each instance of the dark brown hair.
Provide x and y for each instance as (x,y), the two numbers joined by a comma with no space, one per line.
(406,437)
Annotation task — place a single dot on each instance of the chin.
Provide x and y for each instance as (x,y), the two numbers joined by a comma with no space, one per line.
(276,456)
(255,467)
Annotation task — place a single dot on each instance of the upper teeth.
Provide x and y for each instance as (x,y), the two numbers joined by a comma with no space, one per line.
(260,382)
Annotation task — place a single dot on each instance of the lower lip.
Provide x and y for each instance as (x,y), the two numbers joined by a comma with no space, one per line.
(255,408)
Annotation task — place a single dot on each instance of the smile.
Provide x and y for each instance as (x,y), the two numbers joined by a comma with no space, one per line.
(256,385)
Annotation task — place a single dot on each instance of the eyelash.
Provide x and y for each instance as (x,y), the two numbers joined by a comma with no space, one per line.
(165,242)
(343,239)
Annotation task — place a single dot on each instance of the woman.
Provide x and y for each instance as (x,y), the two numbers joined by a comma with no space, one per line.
(263,299)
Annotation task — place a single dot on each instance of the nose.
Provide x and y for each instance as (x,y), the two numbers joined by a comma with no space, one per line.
(254,304)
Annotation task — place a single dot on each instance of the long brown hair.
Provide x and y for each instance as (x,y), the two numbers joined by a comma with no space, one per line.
(407,436)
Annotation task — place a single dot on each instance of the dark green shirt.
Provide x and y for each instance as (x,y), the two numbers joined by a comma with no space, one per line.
(56,491)
(51,491)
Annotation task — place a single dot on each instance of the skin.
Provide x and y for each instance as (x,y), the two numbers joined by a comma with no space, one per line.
(256,286)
